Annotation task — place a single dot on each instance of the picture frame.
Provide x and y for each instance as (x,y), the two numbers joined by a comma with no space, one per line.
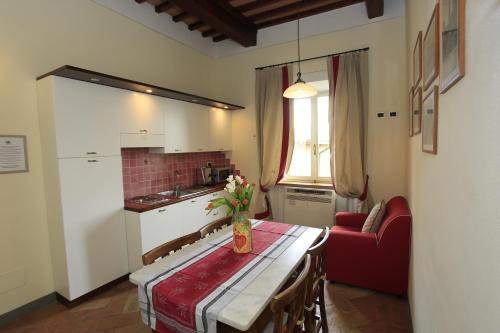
(417,60)
(13,154)
(430,62)
(430,111)
(452,45)
(416,111)
(410,112)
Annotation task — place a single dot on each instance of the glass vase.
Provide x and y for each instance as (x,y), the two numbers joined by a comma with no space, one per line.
(242,233)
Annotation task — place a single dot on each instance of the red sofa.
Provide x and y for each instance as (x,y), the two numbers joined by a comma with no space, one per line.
(377,261)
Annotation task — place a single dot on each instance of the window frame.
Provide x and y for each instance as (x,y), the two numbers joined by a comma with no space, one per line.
(314,178)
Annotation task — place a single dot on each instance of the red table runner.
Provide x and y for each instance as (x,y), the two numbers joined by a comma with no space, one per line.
(186,297)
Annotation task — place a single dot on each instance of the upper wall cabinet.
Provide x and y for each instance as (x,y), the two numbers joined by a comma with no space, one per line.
(186,127)
(85,117)
(220,129)
(141,120)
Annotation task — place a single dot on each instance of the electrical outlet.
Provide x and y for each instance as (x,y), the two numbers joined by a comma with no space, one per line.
(380,115)
(393,114)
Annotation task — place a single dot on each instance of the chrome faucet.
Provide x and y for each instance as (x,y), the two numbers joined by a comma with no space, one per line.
(177,188)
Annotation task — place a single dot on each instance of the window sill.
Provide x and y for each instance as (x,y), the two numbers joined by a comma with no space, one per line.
(305,184)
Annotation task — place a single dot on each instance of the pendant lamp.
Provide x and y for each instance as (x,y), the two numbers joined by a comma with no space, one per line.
(299,89)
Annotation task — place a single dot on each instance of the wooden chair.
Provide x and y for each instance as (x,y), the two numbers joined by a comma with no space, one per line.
(315,292)
(288,306)
(215,226)
(172,246)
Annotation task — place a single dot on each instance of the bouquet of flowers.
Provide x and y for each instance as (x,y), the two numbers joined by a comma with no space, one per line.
(240,196)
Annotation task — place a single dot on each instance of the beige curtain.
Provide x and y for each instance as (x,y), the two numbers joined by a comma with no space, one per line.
(348,120)
(269,109)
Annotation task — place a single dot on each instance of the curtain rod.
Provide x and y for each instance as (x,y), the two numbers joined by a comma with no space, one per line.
(314,58)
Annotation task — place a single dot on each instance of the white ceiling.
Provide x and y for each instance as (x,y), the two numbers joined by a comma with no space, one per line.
(336,20)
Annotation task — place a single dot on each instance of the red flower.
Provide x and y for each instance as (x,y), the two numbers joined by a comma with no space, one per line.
(245,183)
(245,201)
(234,203)
(210,205)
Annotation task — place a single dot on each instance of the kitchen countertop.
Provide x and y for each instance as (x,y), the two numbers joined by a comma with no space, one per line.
(141,208)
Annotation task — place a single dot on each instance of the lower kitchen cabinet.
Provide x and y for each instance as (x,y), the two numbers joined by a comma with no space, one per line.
(147,230)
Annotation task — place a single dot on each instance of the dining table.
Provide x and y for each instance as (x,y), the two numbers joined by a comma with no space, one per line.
(207,287)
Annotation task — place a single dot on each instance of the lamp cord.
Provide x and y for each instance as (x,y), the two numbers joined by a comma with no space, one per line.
(298,41)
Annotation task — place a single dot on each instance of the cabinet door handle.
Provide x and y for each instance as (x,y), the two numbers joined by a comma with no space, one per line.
(162,210)
(177,150)
(143,131)
(92,161)
(91,153)
(193,201)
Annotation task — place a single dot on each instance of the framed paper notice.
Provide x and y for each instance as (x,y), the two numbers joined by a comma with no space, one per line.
(13,156)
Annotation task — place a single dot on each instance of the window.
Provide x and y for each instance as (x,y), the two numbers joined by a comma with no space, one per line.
(311,152)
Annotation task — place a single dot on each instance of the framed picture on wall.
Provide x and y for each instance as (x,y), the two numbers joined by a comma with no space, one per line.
(431,49)
(452,65)
(417,60)
(416,110)
(410,111)
(430,121)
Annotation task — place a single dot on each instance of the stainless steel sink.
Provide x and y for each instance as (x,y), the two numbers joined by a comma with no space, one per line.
(176,194)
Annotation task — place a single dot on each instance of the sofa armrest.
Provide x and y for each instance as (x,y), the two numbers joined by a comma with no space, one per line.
(346,239)
(346,219)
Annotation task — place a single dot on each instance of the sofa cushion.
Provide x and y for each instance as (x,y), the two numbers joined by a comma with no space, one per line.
(375,217)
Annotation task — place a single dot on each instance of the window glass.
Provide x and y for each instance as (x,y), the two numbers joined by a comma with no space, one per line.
(301,163)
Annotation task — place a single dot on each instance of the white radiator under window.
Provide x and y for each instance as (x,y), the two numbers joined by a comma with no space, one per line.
(309,206)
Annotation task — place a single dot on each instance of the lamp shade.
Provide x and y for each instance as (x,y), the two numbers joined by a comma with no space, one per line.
(299,90)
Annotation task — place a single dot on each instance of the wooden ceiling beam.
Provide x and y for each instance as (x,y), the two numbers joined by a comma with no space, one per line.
(306,13)
(230,23)
(163,7)
(291,9)
(256,5)
(209,33)
(181,17)
(374,8)
(196,25)
(219,38)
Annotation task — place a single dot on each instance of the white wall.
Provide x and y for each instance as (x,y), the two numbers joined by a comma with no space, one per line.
(455,195)
(387,147)
(39,36)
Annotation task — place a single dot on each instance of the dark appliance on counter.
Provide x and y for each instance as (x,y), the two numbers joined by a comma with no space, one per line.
(211,176)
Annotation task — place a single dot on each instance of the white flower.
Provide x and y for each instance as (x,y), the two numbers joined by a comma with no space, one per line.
(231,187)
(230,178)
(239,180)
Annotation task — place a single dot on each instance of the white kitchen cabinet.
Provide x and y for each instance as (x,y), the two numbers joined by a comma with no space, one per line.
(84,195)
(186,127)
(141,120)
(94,228)
(85,117)
(147,230)
(220,129)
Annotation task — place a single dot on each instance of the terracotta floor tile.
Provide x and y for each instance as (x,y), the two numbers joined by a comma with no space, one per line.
(349,310)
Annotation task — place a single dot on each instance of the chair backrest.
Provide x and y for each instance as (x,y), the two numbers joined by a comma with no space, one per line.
(293,299)
(172,246)
(317,253)
(214,226)
(316,277)
(396,211)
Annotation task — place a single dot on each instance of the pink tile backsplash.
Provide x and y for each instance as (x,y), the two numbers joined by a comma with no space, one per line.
(145,173)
